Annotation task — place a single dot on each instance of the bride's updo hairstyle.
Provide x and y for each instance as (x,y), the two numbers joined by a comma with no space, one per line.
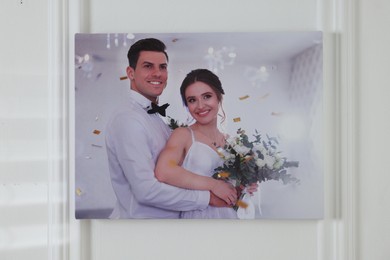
(205,76)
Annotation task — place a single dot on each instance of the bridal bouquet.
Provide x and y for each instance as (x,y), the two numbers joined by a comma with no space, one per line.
(253,161)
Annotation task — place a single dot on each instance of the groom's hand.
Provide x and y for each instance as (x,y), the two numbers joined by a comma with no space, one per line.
(217,202)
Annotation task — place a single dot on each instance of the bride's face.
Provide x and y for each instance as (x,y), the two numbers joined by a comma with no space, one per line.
(202,102)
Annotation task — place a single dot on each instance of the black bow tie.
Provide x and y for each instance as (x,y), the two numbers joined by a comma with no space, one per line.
(158,109)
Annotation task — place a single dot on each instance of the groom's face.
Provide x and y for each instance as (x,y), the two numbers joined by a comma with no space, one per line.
(150,75)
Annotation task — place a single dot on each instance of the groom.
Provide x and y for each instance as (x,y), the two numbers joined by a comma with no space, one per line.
(135,135)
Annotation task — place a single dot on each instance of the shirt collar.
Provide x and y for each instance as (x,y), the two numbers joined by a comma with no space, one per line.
(140,99)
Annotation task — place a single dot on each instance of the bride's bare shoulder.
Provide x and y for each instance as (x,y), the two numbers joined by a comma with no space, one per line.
(181,133)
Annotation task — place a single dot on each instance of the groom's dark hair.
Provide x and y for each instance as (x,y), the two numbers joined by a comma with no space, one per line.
(148,44)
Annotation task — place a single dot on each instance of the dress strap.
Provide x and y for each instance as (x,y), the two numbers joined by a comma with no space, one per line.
(192,134)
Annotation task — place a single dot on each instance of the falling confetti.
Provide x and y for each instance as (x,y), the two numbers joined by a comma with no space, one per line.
(243,97)
(123,78)
(88,157)
(79,192)
(172,163)
(276,113)
(237,119)
(223,175)
(96,132)
(220,153)
(264,96)
(96,145)
(241,204)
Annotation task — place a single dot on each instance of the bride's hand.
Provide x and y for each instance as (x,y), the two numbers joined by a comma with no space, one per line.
(225,191)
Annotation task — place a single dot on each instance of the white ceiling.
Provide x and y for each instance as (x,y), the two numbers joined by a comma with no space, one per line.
(263,46)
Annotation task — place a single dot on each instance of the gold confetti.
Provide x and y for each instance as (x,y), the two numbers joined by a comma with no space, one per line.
(172,163)
(220,154)
(96,132)
(264,96)
(223,175)
(79,192)
(237,119)
(276,113)
(243,97)
(241,204)
(123,78)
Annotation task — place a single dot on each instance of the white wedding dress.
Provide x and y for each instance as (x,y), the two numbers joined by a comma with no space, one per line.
(202,159)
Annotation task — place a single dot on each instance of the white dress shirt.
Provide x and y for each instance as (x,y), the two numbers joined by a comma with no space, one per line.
(134,140)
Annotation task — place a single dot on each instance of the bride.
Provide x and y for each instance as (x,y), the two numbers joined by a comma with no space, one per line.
(190,155)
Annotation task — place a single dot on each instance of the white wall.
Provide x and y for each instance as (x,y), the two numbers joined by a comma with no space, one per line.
(373,130)
(136,239)
(301,129)
(23,130)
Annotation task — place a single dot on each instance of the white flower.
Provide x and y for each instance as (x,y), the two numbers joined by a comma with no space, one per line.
(231,140)
(278,156)
(260,163)
(278,163)
(259,147)
(241,149)
(269,161)
(224,154)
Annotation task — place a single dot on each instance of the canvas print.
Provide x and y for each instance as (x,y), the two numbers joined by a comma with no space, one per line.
(199,125)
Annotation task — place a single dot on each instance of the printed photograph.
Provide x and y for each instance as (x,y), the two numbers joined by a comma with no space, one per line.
(199,125)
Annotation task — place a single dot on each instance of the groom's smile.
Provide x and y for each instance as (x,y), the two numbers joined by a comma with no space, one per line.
(150,75)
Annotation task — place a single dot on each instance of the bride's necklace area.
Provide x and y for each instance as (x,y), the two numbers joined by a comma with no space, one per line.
(213,139)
